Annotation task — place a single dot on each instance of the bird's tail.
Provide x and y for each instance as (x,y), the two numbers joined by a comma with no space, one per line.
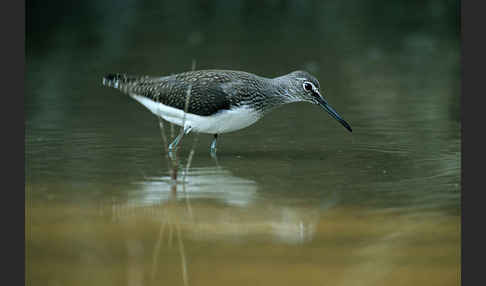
(119,81)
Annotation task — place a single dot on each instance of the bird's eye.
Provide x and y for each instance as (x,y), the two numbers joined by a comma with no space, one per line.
(307,86)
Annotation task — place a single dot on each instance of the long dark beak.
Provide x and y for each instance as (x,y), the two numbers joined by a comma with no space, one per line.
(322,102)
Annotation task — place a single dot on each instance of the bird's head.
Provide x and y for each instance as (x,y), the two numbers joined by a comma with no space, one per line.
(302,86)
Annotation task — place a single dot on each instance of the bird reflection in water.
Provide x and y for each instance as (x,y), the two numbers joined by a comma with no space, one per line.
(211,204)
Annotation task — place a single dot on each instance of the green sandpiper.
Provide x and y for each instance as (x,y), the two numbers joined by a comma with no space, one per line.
(218,101)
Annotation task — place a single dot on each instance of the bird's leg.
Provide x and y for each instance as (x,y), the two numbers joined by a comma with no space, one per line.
(213,145)
(176,141)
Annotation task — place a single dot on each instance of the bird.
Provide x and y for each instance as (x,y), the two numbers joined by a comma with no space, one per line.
(218,101)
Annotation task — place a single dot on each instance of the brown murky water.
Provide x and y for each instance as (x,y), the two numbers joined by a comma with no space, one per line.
(217,244)
(293,200)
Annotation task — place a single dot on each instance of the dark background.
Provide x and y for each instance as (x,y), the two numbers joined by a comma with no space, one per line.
(121,28)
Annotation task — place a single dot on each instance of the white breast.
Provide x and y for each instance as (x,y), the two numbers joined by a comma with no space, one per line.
(222,122)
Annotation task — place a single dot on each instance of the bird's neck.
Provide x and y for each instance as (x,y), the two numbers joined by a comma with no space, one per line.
(272,93)
(280,93)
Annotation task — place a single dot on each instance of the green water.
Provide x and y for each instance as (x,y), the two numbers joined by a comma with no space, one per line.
(293,199)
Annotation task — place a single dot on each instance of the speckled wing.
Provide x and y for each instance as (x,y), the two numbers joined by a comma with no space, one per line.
(207,96)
